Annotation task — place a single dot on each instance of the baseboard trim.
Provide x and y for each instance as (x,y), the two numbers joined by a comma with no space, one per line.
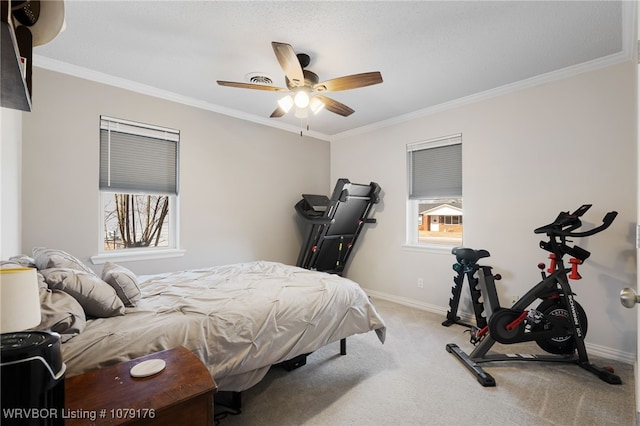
(596,350)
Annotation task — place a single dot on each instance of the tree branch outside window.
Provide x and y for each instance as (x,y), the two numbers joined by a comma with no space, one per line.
(135,220)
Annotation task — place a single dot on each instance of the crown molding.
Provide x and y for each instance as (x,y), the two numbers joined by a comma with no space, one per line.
(491,93)
(629,38)
(98,77)
(627,52)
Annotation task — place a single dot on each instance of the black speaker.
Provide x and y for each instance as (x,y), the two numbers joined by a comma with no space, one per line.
(32,376)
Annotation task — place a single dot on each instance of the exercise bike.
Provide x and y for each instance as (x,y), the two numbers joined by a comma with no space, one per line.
(558,324)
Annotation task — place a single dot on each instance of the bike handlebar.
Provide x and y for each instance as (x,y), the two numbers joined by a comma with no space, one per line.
(606,221)
(567,222)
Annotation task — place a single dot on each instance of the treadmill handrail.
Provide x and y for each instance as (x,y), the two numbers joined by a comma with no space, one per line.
(318,220)
(357,197)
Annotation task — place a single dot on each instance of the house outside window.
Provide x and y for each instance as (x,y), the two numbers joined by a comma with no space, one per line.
(138,186)
(434,200)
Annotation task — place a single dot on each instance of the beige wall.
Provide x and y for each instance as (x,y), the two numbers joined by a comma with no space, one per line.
(231,172)
(530,153)
(526,156)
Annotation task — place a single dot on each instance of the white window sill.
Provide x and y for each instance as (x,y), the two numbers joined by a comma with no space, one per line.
(131,255)
(428,248)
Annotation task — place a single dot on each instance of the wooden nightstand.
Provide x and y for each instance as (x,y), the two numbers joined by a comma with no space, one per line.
(182,393)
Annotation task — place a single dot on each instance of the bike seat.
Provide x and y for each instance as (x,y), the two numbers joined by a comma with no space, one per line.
(468,256)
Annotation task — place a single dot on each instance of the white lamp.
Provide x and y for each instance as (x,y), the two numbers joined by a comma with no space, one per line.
(29,357)
(301,98)
(19,299)
(301,112)
(286,103)
(303,103)
(316,105)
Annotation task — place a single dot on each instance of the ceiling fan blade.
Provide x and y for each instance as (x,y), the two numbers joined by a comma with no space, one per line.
(335,106)
(289,63)
(349,82)
(278,112)
(251,86)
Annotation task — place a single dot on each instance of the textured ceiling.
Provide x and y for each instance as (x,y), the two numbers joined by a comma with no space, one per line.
(428,52)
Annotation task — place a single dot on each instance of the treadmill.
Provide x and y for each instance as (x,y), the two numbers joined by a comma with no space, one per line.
(332,225)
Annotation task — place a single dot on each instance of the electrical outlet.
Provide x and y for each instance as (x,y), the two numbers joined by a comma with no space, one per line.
(420,283)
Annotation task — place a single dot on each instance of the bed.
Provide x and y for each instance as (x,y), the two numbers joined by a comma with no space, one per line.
(238,319)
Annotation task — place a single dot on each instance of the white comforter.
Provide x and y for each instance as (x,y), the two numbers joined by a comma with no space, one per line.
(238,319)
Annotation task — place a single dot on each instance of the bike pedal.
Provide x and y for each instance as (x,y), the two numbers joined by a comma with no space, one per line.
(473,338)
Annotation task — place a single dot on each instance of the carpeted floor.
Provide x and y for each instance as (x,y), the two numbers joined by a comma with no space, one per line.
(413,380)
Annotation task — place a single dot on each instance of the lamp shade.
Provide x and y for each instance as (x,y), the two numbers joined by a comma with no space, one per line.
(19,299)
(316,105)
(301,99)
(286,103)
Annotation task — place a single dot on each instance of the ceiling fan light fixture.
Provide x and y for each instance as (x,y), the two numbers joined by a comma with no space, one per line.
(301,99)
(305,90)
(286,103)
(316,105)
(302,112)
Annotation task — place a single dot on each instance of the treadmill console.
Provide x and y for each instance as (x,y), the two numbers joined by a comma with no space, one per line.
(316,203)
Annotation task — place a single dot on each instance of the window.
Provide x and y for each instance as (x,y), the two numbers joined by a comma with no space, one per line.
(434,180)
(138,186)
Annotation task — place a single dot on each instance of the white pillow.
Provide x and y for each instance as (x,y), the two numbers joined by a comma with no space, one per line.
(124,282)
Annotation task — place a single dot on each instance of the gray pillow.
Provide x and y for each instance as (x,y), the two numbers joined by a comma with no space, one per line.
(23,260)
(61,313)
(124,282)
(97,298)
(42,283)
(10,264)
(52,258)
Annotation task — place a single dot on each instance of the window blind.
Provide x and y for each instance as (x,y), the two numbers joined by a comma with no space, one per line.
(138,158)
(435,168)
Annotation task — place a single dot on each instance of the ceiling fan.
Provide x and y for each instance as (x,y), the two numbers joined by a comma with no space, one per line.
(305,86)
